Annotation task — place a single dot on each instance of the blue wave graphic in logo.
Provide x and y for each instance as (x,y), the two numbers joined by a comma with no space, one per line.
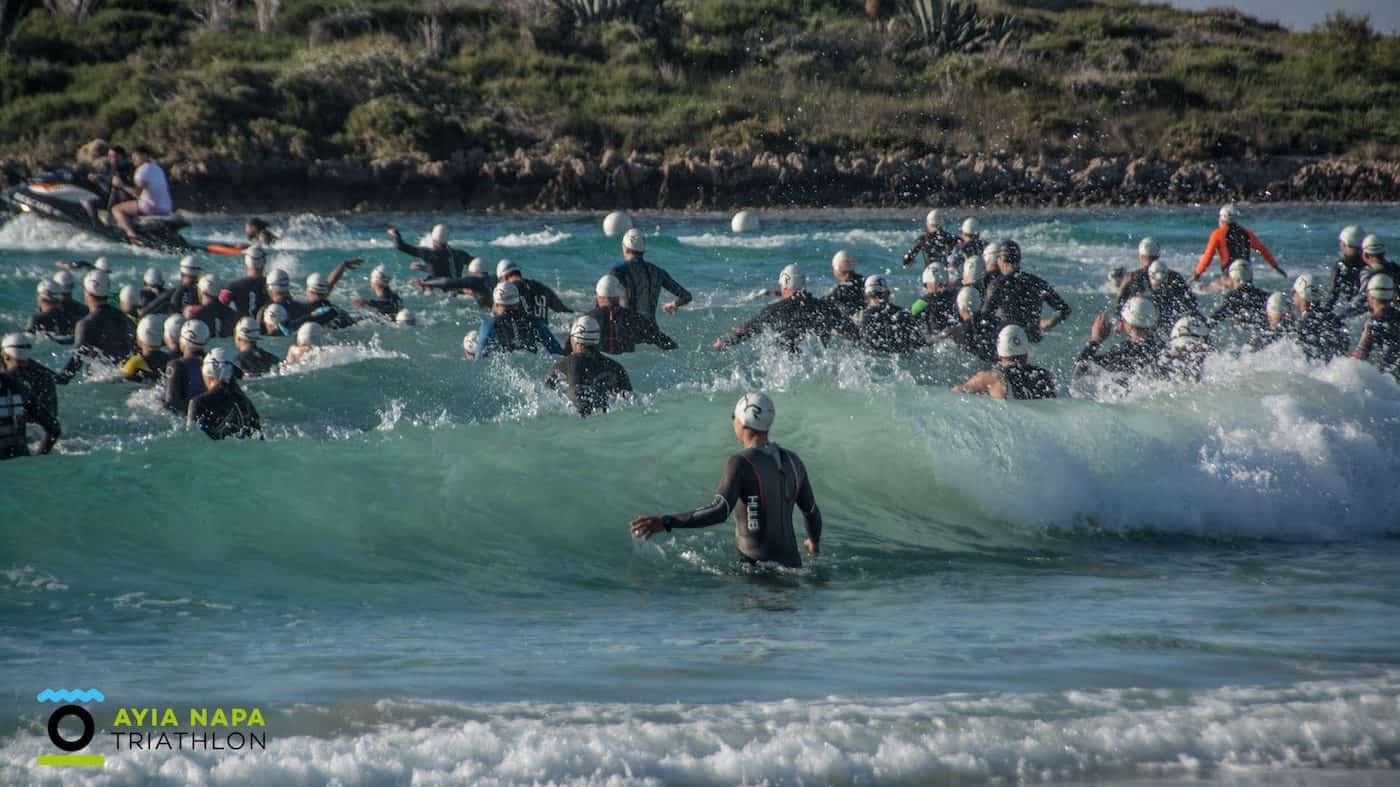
(71,695)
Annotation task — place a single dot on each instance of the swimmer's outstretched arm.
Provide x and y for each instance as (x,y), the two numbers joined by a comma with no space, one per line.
(717,511)
(811,515)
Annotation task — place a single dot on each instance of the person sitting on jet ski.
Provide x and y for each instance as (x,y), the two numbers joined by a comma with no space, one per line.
(150,181)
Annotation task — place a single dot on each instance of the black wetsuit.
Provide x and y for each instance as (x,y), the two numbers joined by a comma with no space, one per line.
(220,319)
(623,329)
(147,367)
(939,311)
(514,331)
(106,333)
(327,314)
(389,304)
(1024,381)
(1125,360)
(184,380)
(1346,280)
(16,411)
(642,283)
(41,391)
(224,412)
(849,296)
(1246,305)
(971,248)
(1321,334)
(255,361)
(1270,335)
(444,262)
(1380,341)
(297,312)
(174,300)
(760,486)
(887,328)
(249,294)
(75,310)
(1016,300)
(794,318)
(1135,284)
(1174,300)
(150,295)
(1185,364)
(1358,304)
(539,300)
(589,379)
(55,324)
(935,246)
(479,286)
(977,338)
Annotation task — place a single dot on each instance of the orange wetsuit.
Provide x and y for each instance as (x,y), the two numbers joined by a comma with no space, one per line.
(1232,243)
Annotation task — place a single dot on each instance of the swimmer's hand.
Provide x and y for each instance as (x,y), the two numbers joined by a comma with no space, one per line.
(417,266)
(354,262)
(670,308)
(811,547)
(644,527)
(1101,330)
(718,345)
(393,232)
(1048,323)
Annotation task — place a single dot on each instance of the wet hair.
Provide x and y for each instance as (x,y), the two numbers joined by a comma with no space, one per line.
(117,149)
(257,224)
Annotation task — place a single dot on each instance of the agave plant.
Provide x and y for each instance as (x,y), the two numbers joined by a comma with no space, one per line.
(948,26)
(585,12)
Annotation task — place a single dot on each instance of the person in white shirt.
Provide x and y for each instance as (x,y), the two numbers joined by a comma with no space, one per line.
(150,184)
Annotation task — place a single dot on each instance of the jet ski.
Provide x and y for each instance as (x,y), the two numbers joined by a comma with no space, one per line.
(56,196)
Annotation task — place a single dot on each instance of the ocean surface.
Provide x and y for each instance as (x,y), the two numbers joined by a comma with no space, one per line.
(424,575)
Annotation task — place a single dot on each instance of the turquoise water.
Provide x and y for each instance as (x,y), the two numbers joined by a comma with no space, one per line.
(425,575)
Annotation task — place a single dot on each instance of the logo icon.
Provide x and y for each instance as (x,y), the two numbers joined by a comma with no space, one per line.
(71,746)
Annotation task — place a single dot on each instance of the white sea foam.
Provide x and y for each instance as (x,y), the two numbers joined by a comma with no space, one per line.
(546,237)
(962,738)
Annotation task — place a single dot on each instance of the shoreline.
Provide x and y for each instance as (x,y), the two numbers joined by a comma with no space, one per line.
(724,179)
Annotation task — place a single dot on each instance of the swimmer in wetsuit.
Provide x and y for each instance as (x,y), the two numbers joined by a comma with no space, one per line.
(884,326)
(1232,243)
(177,299)
(219,316)
(385,301)
(291,311)
(147,365)
(478,283)
(1346,273)
(509,329)
(589,379)
(848,294)
(1139,354)
(623,329)
(1185,358)
(183,376)
(1014,377)
(1016,297)
(1244,304)
(937,309)
(761,485)
(536,299)
(643,281)
(104,334)
(1380,338)
(64,282)
(935,245)
(1320,333)
(223,410)
(171,333)
(439,260)
(39,384)
(252,360)
(15,414)
(51,321)
(973,334)
(247,296)
(308,343)
(798,315)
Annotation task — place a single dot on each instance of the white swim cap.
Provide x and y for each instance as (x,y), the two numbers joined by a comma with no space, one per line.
(47,290)
(189,266)
(972,270)
(1240,270)
(1352,236)
(151,330)
(279,280)
(1139,312)
(585,330)
(439,233)
(406,317)
(971,227)
(1373,245)
(1302,283)
(255,257)
(1228,213)
(792,278)
(1157,272)
(129,296)
(1190,326)
(1381,287)
(247,329)
(1278,304)
(1147,247)
(17,346)
(933,221)
(102,264)
(64,280)
(616,222)
(990,254)
(310,334)
(477,266)
(209,284)
(380,275)
(194,332)
(469,343)
(608,287)
(843,262)
(218,365)
(274,314)
(505,268)
(744,221)
(316,283)
(876,285)
(1012,342)
(153,278)
(755,411)
(970,299)
(97,284)
(634,240)
(934,274)
(506,294)
(173,324)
